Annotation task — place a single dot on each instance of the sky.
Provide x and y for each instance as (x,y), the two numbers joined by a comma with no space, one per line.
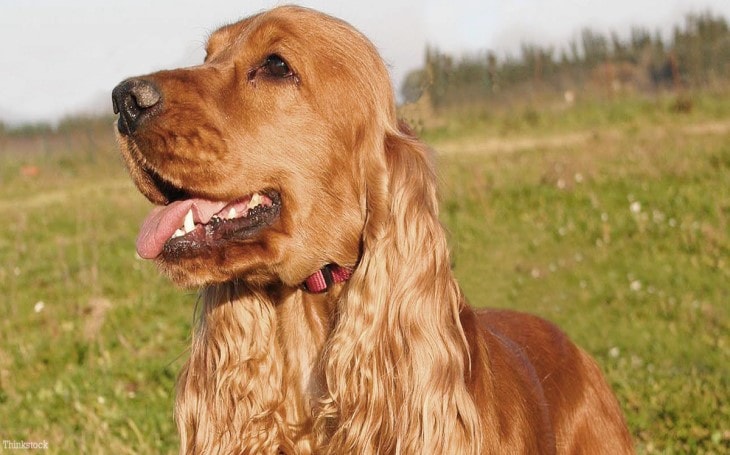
(63,57)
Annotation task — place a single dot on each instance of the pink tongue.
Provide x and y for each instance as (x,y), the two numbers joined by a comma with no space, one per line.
(163,221)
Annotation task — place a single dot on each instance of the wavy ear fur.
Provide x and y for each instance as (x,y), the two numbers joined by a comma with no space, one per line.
(230,393)
(396,365)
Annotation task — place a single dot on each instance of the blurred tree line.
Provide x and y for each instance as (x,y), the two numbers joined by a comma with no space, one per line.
(69,124)
(697,55)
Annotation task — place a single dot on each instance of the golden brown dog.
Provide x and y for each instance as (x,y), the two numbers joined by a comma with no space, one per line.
(331,322)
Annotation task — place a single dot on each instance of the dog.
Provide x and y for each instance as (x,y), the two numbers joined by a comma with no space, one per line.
(287,190)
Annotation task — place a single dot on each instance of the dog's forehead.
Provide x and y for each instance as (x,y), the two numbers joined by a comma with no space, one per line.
(287,27)
(225,35)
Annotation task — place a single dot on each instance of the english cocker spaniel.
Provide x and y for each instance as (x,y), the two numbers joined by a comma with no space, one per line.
(331,322)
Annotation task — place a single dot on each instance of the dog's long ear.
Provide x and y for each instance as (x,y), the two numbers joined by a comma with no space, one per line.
(397,363)
(230,393)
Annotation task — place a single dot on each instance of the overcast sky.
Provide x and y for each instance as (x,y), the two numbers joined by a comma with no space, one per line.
(61,57)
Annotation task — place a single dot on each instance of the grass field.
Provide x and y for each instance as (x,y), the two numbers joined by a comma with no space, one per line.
(610,219)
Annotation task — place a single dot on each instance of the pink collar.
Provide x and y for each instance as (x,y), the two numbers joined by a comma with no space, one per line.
(322,279)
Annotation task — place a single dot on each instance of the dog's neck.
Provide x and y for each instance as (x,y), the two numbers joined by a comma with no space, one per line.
(258,347)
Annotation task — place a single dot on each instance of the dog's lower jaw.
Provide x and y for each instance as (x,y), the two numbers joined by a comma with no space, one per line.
(254,264)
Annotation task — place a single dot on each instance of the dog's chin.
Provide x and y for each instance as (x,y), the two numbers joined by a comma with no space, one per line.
(185,276)
(196,273)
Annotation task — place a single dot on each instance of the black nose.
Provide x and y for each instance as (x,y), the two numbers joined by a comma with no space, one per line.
(134,100)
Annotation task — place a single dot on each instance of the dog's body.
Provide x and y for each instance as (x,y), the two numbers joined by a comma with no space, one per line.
(331,321)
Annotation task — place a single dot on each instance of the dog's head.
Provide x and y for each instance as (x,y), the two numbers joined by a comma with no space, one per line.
(254,157)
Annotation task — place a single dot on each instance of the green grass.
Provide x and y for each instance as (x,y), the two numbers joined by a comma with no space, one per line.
(91,338)
(611,220)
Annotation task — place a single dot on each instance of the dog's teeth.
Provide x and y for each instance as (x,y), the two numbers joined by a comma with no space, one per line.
(178,233)
(232,213)
(255,201)
(189,223)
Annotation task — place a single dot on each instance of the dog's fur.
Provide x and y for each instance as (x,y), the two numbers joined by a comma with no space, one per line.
(391,361)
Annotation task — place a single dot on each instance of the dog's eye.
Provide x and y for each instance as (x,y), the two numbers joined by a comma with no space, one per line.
(277,67)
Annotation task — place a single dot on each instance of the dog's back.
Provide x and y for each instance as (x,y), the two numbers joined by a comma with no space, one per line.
(543,382)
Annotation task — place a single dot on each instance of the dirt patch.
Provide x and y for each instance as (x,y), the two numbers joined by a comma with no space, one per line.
(490,146)
(499,145)
(61,195)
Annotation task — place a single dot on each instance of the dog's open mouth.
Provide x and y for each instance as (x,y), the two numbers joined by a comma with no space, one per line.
(191,227)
